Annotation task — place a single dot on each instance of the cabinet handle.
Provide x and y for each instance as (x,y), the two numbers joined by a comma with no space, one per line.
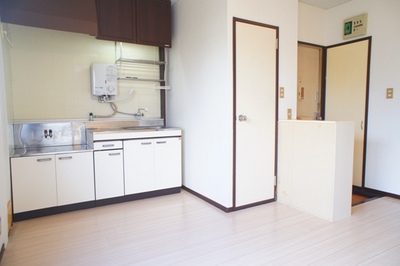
(65,158)
(146,143)
(108,145)
(43,160)
(161,142)
(114,154)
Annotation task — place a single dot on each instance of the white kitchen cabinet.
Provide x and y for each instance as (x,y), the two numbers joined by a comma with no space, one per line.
(109,173)
(75,178)
(33,183)
(168,163)
(152,164)
(53,180)
(139,165)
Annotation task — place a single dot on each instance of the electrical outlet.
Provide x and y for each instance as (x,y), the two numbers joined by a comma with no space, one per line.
(389,93)
(281,92)
(289,114)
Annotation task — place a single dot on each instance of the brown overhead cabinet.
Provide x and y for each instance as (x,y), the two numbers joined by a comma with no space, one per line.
(145,22)
(65,15)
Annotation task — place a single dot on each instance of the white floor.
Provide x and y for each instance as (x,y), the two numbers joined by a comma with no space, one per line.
(181,229)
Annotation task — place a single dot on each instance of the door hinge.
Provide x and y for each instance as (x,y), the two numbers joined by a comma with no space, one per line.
(275,180)
(277,43)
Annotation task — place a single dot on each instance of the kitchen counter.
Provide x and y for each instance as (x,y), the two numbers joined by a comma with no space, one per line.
(48,150)
(130,133)
(57,167)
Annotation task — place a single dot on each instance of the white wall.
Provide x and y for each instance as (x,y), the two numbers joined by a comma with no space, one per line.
(5,190)
(312,24)
(51,78)
(201,99)
(383,145)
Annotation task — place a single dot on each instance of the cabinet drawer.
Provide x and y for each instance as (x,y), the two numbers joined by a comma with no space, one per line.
(107,145)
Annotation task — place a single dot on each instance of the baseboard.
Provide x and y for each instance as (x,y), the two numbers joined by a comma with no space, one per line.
(253,204)
(223,208)
(2,252)
(92,204)
(215,204)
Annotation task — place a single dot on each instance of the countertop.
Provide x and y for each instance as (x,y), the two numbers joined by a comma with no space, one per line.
(131,133)
(49,150)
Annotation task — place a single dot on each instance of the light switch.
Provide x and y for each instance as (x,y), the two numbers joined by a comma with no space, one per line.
(389,93)
(281,92)
(289,114)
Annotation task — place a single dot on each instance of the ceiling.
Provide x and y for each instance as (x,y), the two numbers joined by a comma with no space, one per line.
(324,4)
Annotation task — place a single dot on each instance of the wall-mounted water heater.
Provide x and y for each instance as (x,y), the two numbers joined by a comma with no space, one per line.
(103,79)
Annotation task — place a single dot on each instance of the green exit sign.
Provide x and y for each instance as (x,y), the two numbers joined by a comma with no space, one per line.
(348,29)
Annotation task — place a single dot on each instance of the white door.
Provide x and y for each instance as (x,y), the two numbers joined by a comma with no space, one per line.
(168,163)
(139,165)
(255,112)
(33,183)
(75,177)
(109,173)
(346,90)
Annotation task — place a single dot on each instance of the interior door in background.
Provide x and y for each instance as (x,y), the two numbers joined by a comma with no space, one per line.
(346,93)
(255,57)
(309,81)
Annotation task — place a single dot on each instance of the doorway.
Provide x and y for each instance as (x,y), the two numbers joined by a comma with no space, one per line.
(346,94)
(255,58)
(310,61)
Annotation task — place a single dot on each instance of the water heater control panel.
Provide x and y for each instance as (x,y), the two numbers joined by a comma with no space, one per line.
(355,26)
(103,79)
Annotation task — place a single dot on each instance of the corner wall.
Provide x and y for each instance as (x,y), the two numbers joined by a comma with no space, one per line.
(201,98)
(383,143)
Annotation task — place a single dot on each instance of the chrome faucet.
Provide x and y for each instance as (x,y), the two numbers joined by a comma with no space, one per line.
(140,112)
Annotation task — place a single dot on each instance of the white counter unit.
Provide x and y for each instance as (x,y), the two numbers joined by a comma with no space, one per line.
(52,180)
(64,166)
(315,166)
(150,160)
(122,134)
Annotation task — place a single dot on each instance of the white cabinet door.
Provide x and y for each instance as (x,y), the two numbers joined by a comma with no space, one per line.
(75,178)
(168,166)
(139,165)
(33,183)
(109,175)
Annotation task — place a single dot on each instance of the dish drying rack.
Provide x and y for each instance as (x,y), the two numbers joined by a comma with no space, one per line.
(141,70)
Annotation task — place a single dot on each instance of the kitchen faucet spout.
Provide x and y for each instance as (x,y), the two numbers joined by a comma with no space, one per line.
(140,112)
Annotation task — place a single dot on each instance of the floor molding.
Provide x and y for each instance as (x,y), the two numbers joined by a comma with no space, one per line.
(210,201)
(2,252)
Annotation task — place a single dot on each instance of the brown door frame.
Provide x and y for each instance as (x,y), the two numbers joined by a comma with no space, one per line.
(369,39)
(235,20)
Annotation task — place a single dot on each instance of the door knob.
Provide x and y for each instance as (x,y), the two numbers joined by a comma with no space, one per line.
(242,118)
